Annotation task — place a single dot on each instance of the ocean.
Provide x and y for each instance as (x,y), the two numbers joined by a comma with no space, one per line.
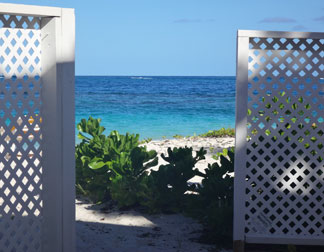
(157,107)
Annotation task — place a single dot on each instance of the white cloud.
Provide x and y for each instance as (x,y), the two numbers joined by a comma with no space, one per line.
(278,20)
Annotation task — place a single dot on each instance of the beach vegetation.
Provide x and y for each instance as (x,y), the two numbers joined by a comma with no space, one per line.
(214,204)
(89,182)
(129,183)
(223,132)
(107,166)
(116,168)
(224,153)
(178,136)
(146,140)
(170,181)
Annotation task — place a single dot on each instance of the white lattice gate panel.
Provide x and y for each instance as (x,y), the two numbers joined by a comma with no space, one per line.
(36,128)
(20,134)
(283,169)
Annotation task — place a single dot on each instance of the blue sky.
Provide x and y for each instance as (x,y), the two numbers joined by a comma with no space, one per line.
(175,37)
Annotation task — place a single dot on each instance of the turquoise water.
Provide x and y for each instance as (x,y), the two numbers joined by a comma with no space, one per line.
(157,107)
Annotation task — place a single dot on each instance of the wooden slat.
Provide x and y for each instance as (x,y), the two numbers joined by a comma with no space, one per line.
(279,34)
(30,10)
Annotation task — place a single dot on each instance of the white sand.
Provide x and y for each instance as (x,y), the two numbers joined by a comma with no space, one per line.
(131,231)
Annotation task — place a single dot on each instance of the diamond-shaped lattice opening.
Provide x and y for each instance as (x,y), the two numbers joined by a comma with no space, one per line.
(24,163)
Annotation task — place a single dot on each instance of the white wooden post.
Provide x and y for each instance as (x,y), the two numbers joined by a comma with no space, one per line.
(38,69)
(240,140)
(279,188)
(67,73)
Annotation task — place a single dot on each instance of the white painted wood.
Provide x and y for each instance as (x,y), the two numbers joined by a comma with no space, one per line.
(280,174)
(280,34)
(29,10)
(286,240)
(21,185)
(62,74)
(52,136)
(67,67)
(240,136)
(37,129)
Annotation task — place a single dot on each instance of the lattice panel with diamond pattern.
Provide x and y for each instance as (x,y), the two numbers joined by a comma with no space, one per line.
(20,134)
(285,127)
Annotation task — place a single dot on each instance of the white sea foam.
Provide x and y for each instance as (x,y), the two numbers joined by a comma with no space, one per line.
(141,78)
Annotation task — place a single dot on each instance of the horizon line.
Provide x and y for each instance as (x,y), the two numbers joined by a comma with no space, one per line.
(81,75)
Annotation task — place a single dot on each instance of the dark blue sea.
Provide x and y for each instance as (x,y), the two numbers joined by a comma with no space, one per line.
(157,107)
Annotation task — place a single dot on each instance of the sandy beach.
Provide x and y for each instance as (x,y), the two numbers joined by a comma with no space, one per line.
(113,230)
(131,231)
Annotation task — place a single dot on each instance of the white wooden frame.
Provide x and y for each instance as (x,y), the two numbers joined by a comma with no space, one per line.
(58,159)
(241,184)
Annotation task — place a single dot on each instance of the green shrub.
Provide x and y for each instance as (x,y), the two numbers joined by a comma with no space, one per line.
(214,204)
(146,140)
(217,183)
(111,166)
(178,136)
(170,182)
(92,183)
(129,183)
(116,167)
(219,133)
(224,153)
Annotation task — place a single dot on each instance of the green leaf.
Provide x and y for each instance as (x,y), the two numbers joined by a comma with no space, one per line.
(96,163)
(85,159)
(82,137)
